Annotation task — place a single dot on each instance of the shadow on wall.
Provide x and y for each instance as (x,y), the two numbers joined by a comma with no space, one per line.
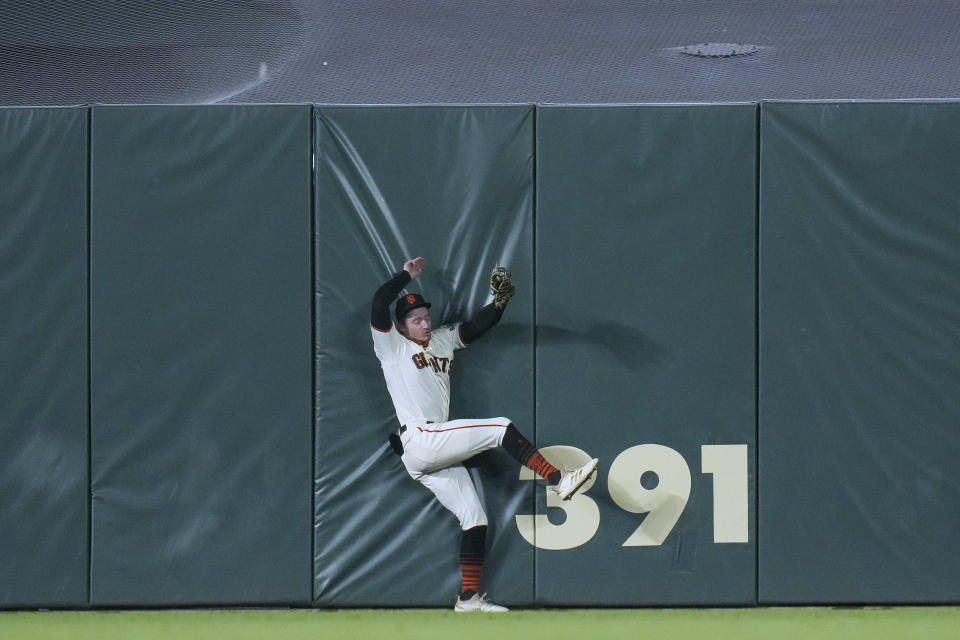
(625,344)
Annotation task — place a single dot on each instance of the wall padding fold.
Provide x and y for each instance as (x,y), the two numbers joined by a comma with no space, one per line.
(455,186)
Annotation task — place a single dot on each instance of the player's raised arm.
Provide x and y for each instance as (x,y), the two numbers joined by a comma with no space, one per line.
(388,292)
(414,267)
(485,320)
(502,288)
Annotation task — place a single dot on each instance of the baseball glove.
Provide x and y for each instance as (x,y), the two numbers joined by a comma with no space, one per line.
(501,286)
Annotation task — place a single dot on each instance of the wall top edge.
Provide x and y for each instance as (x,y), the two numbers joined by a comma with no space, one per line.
(867,101)
(539,105)
(210,105)
(25,107)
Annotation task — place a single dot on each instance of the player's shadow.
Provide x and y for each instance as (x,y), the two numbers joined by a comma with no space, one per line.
(624,344)
(627,345)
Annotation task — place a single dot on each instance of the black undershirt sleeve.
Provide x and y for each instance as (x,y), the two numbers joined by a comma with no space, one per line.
(485,319)
(384,297)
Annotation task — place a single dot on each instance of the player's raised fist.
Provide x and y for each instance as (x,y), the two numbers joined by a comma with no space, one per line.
(413,267)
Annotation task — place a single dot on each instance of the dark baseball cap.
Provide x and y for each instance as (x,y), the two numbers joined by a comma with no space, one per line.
(408,303)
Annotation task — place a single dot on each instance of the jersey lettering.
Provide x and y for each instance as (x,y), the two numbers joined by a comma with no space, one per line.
(418,377)
(439,364)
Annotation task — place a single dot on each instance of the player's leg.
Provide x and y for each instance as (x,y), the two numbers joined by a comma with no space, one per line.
(454,488)
(528,455)
(473,553)
(565,483)
(449,443)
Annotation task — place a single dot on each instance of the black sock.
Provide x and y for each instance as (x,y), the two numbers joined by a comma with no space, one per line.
(527,455)
(473,545)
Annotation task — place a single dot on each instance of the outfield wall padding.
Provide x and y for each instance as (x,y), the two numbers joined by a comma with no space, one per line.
(200,348)
(859,353)
(43,357)
(455,186)
(645,337)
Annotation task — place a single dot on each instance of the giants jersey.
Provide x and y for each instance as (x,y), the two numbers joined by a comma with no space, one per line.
(418,378)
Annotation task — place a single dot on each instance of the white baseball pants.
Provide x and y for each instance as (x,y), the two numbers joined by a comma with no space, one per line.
(433,453)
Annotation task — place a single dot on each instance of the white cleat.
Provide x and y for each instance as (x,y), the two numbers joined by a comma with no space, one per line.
(571,481)
(478,603)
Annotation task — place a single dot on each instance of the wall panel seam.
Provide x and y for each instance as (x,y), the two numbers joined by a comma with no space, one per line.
(756,355)
(534,112)
(89,176)
(313,351)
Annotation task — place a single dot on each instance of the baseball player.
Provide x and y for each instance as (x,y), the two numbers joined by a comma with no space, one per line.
(416,361)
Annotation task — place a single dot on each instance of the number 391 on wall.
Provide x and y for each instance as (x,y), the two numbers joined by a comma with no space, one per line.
(663,504)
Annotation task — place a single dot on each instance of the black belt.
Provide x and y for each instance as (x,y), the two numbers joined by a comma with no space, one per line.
(403,427)
(394,438)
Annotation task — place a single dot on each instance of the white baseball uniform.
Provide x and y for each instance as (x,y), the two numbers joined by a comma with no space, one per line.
(418,379)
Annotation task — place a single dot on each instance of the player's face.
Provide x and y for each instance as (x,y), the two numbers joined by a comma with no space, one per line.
(416,325)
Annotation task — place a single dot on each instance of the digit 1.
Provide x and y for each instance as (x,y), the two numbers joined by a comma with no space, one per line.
(728,464)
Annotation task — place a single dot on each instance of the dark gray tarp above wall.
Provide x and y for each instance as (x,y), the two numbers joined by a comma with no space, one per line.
(645,336)
(43,357)
(496,51)
(200,350)
(860,353)
(454,185)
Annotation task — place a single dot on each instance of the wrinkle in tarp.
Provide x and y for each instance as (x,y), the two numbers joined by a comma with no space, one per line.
(455,186)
